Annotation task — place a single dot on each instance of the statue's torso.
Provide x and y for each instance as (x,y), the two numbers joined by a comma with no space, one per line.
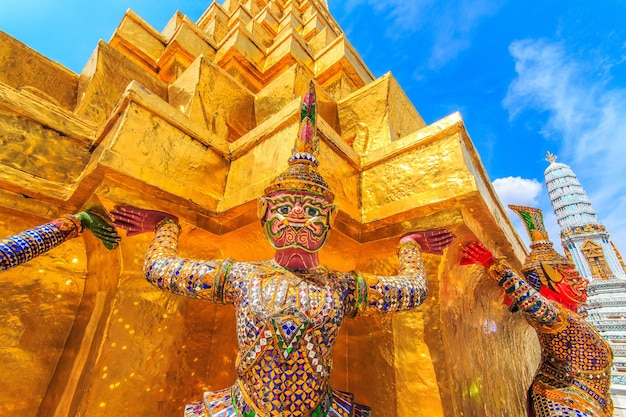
(575,368)
(287,324)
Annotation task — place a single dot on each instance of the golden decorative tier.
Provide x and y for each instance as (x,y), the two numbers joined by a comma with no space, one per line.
(197,120)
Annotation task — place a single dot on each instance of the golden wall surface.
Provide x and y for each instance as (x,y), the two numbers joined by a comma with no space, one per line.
(197,120)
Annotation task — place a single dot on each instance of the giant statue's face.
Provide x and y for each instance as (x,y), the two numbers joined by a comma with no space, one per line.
(296,219)
(573,287)
(565,285)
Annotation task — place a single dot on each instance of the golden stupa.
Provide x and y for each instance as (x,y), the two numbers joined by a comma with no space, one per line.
(197,120)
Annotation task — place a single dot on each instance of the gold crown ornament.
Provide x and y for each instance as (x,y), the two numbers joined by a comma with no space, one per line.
(302,174)
(543,262)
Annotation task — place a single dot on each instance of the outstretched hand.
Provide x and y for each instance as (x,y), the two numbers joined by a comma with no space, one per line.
(431,241)
(100,226)
(476,253)
(136,220)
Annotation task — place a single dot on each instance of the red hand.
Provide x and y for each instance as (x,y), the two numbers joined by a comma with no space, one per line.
(477,253)
(135,220)
(431,241)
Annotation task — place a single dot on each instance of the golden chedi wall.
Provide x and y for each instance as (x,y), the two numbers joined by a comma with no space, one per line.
(197,120)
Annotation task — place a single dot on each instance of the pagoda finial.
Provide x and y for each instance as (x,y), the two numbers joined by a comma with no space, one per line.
(550,157)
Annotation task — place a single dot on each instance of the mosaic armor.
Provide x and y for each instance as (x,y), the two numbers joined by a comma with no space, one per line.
(575,372)
(23,247)
(287,323)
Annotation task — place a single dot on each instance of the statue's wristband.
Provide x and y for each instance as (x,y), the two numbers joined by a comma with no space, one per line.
(499,270)
(167,220)
(77,221)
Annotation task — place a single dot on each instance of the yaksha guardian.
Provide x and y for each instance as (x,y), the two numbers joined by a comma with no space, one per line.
(290,308)
(574,375)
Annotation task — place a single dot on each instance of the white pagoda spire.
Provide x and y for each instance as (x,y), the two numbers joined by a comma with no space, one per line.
(582,236)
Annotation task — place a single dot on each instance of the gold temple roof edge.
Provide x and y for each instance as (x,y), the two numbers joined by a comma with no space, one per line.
(37,109)
(325,12)
(137,93)
(185,20)
(141,22)
(350,54)
(444,127)
(262,131)
(5,37)
(485,187)
(20,184)
(329,135)
(209,13)
(288,114)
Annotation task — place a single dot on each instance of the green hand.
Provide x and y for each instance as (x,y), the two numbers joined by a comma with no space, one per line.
(100,228)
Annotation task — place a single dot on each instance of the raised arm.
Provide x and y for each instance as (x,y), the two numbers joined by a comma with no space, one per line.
(537,307)
(24,246)
(163,267)
(408,289)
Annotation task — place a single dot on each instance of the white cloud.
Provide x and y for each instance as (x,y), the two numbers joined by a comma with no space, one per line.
(582,113)
(518,191)
(547,80)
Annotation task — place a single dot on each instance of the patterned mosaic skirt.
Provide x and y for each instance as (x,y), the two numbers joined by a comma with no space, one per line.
(229,402)
(565,401)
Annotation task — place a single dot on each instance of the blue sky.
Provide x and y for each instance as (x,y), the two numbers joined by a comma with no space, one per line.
(527,77)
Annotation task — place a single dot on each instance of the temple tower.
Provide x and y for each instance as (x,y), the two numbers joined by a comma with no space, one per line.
(584,239)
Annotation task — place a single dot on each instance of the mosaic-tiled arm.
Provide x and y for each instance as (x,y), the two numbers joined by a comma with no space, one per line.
(193,278)
(538,308)
(23,247)
(394,293)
